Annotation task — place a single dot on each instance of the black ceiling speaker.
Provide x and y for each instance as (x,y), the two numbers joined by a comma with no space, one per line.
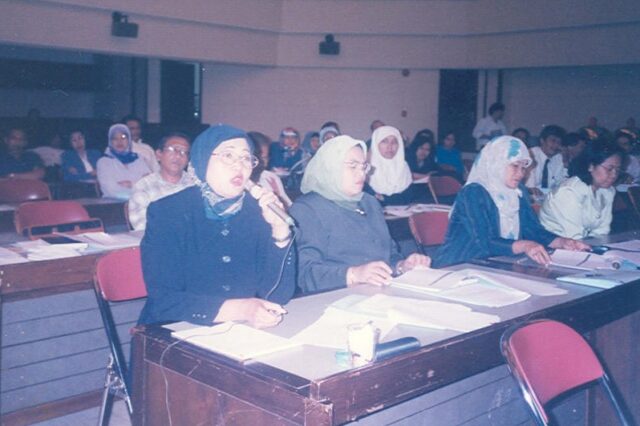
(329,46)
(121,27)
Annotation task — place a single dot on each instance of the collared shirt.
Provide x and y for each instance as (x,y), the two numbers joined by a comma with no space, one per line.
(146,153)
(556,175)
(486,129)
(573,210)
(147,190)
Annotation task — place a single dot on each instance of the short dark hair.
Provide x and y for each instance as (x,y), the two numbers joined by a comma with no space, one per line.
(521,129)
(624,133)
(330,124)
(573,139)
(497,106)
(552,130)
(131,117)
(593,155)
(168,136)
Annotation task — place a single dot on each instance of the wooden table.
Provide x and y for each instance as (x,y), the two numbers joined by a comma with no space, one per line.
(207,388)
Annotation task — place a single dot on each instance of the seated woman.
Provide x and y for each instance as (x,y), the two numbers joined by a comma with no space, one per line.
(79,163)
(213,253)
(390,179)
(491,217)
(581,206)
(261,175)
(421,157)
(343,238)
(120,168)
(448,156)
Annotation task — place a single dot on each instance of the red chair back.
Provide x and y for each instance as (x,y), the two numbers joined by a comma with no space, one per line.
(429,228)
(37,219)
(119,275)
(548,358)
(21,190)
(443,186)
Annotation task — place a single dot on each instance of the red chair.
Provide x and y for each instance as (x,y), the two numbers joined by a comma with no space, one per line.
(20,190)
(118,278)
(429,228)
(443,187)
(36,219)
(548,359)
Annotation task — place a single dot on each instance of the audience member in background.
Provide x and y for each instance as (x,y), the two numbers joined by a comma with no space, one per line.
(421,155)
(582,206)
(287,152)
(625,140)
(120,168)
(631,127)
(524,135)
(448,156)
(212,252)
(51,156)
(490,126)
(390,179)
(15,161)
(261,175)
(328,130)
(173,156)
(372,127)
(491,217)
(594,130)
(343,239)
(310,145)
(79,163)
(547,171)
(145,151)
(571,147)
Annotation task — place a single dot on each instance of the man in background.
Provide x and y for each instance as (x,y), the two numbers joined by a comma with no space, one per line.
(491,126)
(142,149)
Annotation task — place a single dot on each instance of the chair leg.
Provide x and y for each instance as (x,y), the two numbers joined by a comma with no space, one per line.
(103,419)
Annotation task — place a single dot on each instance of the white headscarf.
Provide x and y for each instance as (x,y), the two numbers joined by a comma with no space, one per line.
(489,170)
(390,176)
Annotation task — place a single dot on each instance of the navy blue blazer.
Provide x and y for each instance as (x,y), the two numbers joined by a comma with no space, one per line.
(71,159)
(192,264)
(474,228)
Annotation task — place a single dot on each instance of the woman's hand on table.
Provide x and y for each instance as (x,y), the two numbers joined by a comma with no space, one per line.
(537,252)
(256,312)
(569,244)
(414,260)
(376,273)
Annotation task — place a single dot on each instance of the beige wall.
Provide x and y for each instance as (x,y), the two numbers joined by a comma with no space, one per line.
(268,99)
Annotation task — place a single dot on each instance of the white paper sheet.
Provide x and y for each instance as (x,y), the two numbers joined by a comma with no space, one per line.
(601,279)
(330,330)
(466,285)
(8,257)
(102,240)
(409,210)
(237,341)
(586,261)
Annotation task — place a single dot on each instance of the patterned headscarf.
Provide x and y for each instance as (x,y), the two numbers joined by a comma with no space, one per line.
(390,175)
(325,169)
(489,170)
(127,156)
(216,207)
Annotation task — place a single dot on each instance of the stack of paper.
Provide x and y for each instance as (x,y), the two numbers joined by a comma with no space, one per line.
(237,341)
(42,250)
(612,259)
(466,285)
(408,210)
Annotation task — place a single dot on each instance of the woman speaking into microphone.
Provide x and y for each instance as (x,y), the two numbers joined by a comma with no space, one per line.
(213,252)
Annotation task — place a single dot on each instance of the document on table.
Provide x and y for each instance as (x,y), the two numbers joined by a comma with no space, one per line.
(408,210)
(612,259)
(466,285)
(237,341)
(602,278)
(102,240)
(8,257)
(42,250)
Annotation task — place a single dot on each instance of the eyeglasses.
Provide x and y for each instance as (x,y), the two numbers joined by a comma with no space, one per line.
(177,151)
(358,166)
(229,158)
(611,169)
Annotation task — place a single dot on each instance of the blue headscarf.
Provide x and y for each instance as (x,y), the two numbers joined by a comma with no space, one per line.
(216,207)
(127,156)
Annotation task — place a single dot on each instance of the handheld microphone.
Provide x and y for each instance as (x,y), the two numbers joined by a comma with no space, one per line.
(250,185)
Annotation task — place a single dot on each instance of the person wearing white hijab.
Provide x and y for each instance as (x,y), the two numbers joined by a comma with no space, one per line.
(491,217)
(390,179)
(343,239)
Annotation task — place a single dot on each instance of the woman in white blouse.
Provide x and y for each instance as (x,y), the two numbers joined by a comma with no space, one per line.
(581,206)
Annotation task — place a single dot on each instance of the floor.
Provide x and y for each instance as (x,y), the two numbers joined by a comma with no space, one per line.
(119,417)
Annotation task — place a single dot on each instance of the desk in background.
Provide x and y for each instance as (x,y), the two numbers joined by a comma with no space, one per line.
(453,379)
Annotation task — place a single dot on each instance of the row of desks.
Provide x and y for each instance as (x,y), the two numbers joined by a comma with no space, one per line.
(195,386)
